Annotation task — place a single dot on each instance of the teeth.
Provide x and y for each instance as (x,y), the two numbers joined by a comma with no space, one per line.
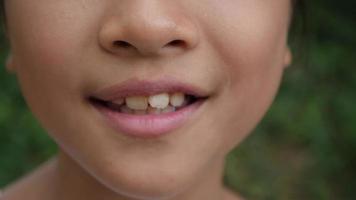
(168,109)
(137,102)
(140,112)
(152,110)
(119,101)
(177,99)
(125,109)
(159,101)
(155,104)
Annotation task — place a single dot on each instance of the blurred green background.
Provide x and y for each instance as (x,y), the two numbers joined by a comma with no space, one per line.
(305,148)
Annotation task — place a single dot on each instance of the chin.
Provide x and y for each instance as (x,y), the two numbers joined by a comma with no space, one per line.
(146,180)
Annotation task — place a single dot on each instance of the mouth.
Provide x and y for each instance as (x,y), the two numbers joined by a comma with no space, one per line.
(148,108)
(152,105)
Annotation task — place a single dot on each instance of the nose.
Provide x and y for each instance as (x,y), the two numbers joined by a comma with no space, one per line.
(148,30)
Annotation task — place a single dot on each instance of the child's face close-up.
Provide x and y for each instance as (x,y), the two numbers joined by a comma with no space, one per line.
(90,69)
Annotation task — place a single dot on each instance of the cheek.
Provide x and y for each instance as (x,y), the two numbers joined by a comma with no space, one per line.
(47,41)
(251,88)
(51,33)
(252,47)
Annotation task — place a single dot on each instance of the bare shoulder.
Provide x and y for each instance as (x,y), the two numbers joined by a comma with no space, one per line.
(231,195)
(29,186)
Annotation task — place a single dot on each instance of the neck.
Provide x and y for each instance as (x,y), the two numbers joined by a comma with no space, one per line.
(73,182)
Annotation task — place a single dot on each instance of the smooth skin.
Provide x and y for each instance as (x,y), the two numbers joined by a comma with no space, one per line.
(63,51)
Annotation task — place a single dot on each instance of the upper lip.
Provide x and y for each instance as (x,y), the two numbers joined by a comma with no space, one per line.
(141,87)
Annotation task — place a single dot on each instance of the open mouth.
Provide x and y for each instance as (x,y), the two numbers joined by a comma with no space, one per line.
(156,104)
(143,108)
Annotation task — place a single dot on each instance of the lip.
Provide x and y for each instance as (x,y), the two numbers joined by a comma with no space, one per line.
(133,87)
(149,125)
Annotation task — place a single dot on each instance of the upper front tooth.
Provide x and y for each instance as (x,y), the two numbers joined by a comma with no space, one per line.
(137,102)
(177,99)
(159,101)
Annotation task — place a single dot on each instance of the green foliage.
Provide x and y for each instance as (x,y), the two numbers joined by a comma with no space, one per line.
(23,143)
(305,148)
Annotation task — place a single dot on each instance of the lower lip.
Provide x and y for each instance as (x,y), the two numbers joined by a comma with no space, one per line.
(150,125)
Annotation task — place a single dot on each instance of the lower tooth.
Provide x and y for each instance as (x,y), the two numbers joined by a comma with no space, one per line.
(168,109)
(151,110)
(125,109)
(140,112)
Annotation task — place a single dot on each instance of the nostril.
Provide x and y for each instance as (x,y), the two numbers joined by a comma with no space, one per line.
(176,43)
(122,44)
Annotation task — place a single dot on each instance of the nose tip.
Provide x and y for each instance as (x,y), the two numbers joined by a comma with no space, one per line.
(162,35)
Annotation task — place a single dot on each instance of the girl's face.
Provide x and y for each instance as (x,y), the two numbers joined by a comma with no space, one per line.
(65,51)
